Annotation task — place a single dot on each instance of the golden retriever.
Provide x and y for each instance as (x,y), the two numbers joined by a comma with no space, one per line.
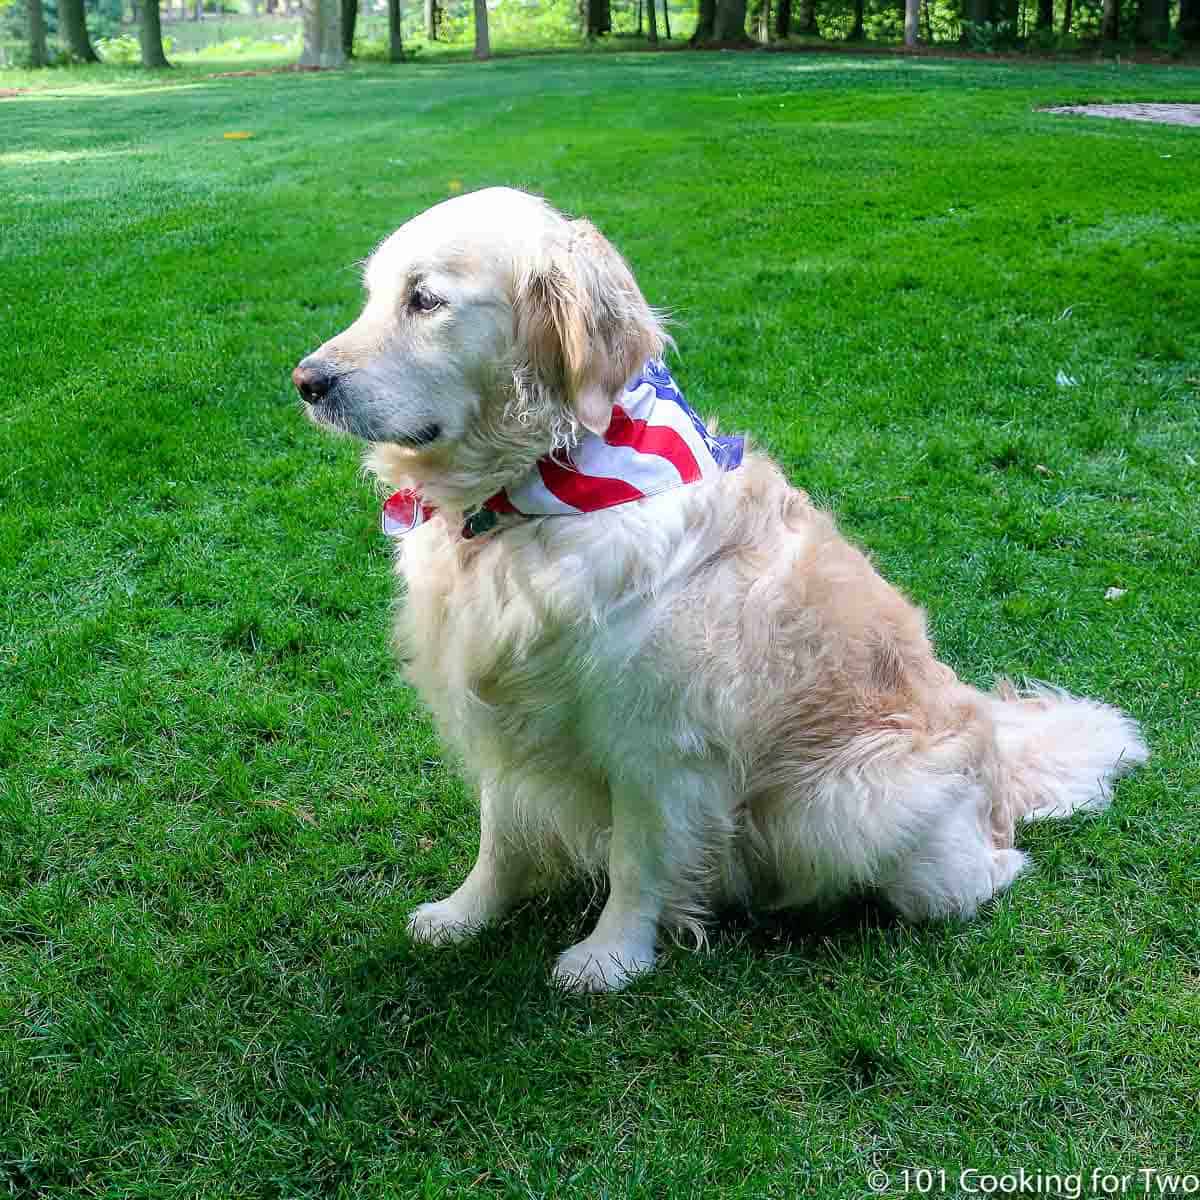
(706,694)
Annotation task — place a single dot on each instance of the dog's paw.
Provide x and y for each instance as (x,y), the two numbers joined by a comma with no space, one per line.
(442,924)
(601,966)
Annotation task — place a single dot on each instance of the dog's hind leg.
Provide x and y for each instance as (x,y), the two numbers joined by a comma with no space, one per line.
(955,866)
(500,877)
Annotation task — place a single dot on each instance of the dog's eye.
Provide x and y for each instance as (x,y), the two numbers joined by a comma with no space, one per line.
(423,300)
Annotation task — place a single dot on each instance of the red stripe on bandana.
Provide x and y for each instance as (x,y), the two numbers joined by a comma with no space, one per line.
(585,492)
(500,503)
(661,440)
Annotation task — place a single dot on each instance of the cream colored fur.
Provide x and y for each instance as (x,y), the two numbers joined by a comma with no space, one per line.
(709,696)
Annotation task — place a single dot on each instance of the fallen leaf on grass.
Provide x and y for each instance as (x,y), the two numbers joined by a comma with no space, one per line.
(237,135)
(1115,593)
(1043,470)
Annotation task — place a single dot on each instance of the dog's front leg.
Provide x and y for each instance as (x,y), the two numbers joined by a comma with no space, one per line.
(499,878)
(623,943)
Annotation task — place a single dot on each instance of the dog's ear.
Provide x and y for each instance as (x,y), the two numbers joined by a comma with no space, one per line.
(584,324)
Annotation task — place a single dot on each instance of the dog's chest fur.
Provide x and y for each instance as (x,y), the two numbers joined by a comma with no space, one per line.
(531,646)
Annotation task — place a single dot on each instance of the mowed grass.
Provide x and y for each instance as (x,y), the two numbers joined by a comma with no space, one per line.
(967,326)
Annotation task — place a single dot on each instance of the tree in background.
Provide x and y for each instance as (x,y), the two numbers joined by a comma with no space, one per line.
(666,19)
(322,33)
(706,19)
(72,21)
(1110,23)
(857,31)
(431,20)
(652,18)
(38,56)
(395,42)
(976,12)
(1189,21)
(599,17)
(150,34)
(349,21)
(806,19)
(1045,14)
(483,47)
(730,22)
(912,17)
(758,12)
(1153,21)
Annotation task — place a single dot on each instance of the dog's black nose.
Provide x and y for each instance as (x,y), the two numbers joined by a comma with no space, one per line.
(313,380)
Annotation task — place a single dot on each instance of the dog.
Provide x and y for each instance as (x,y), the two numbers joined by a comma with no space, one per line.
(698,689)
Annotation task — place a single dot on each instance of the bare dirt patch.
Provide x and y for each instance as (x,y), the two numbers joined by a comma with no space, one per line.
(1162,114)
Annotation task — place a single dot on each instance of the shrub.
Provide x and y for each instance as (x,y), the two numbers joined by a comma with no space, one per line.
(986,37)
(121,50)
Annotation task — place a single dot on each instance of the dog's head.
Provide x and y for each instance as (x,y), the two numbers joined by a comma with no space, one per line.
(494,329)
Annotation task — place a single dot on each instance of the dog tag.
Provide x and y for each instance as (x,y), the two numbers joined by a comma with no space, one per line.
(479,522)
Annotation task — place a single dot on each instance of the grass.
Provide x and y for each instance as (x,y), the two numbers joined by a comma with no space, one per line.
(218,801)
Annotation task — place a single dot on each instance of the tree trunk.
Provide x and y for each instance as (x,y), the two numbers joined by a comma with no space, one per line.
(72,21)
(198,11)
(483,47)
(762,20)
(912,14)
(857,32)
(1153,21)
(431,20)
(651,23)
(1189,21)
(38,56)
(783,19)
(639,18)
(666,20)
(322,34)
(395,43)
(349,21)
(150,34)
(730,22)
(806,22)
(1068,13)
(1045,14)
(599,18)
(1110,23)
(706,19)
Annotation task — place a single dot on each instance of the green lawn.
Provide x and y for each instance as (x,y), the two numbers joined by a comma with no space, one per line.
(967,326)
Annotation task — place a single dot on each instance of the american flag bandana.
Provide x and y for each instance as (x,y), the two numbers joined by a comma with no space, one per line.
(654,442)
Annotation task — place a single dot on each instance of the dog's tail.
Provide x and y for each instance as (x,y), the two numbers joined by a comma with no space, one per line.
(1061,753)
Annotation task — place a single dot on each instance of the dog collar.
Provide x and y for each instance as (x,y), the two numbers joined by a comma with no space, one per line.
(654,442)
